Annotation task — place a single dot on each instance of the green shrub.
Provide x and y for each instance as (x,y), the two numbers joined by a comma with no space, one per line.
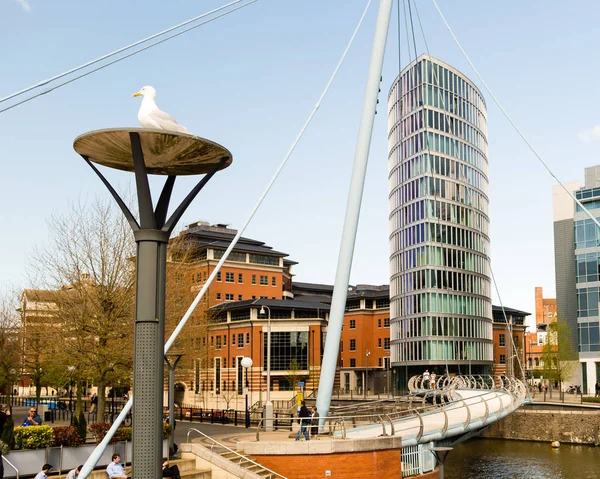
(591,399)
(167,430)
(34,437)
(67,436)
(4,448)
(99,430)
(82,426)
(123,434)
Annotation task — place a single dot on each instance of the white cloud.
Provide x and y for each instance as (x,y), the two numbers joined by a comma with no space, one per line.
(589,135)
(25,5)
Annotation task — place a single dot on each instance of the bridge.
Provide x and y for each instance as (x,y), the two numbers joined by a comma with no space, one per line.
(460,407)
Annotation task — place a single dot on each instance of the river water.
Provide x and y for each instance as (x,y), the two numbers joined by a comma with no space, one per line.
(498,459)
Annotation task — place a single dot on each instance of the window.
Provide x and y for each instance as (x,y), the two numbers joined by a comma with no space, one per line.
(502,359)
(247,338)
(341,346)
(353,324)
(233,339)
(240,340)
(379,323)
(352,363)
(224,341)
(273,281)
(253,279)
(239,297)
(264,280)
(218,345)
(502,340)
(378,342)
(229,277)
(240,278)
(219,276)
(233,367)
(380,362)
(386,344)
(212,340)
(353,345)
(386,322)
(229,297)
(218,295)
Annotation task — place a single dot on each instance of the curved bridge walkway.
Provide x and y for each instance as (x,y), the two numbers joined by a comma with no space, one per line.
(463,406)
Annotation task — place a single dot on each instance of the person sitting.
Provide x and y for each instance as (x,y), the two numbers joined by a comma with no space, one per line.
(33,419)
(170,471)
(74,473)
(115,469)
(43,474)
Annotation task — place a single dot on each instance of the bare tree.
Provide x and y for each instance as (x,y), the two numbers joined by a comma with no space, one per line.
(10,366)
(88,265)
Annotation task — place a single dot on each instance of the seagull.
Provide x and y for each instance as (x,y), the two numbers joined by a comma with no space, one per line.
(150,116)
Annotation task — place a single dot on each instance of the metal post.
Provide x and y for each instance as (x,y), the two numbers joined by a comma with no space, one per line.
(340,291)
(268,404)
(247,364)
(172,366)
(366,385)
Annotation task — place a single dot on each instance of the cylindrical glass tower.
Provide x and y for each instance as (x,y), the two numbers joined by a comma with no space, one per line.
(440,288)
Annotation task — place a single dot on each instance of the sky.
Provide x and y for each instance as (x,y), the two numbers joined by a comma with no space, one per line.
(249,81)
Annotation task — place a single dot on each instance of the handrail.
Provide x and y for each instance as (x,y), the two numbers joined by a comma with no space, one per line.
(242,457)
(10,464)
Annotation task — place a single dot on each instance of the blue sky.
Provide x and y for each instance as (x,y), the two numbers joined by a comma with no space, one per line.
(248,81)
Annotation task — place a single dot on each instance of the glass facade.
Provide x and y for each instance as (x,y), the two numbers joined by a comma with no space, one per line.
(587,264)
(289,350)
(440,288)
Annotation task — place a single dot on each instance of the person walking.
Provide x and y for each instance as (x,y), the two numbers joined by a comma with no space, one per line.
(94,402)
(304,415)
(314,422)
(432,380)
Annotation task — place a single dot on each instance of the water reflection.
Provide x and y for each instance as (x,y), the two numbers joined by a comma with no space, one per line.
(496,459)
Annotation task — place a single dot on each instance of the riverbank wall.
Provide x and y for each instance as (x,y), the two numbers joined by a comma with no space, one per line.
(568,425)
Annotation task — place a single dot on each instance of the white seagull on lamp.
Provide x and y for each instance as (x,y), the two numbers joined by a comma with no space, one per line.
(150,116)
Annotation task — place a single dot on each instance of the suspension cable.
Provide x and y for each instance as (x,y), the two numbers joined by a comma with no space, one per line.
(118,59)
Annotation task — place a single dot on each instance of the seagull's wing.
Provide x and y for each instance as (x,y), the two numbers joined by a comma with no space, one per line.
(166,121)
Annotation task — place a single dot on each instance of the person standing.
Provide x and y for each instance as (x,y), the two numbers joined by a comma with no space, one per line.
(74,473)
(314,422)
(94,402)
(33,419)
(426,379)
(115,469)
(432,379)
(43,474)
(304,416)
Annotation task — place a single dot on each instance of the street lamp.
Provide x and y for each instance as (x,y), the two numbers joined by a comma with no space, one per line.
(172,365)
(268,404)
(247,364)
(12,386)
(367,353)
(71,369)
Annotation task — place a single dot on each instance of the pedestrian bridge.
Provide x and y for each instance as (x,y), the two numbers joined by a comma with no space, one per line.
(458,407)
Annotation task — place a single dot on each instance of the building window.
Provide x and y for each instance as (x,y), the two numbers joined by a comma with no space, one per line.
(353,324)
(264,280)
(502,340)
(273,281)
(218,345)
(239,297)
(386,322)
(233,367)
(289,350)
(380,362)
(219,276)
(352,363)
(341,346)
(247,338)
(240,278)
(218,295)
(253,279)
(353,345)
(212,340)
(517,341)
(224,341)
(378,342)
(379,323)
(502,359)
(240,340)
(233,339)
(229,277)
(229,297)
(386,344)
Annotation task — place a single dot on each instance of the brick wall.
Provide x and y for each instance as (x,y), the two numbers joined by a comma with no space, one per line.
(356,465)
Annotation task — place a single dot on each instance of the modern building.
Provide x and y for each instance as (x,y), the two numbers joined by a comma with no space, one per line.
(440,298)
(577,266)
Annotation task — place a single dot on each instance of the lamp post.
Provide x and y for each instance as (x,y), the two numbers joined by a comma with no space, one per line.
(12,386)
(149,151)
(71,369)
(367,353)
(268,404)
(247,364)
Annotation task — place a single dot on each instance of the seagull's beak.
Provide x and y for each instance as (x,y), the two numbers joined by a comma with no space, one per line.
(137,93)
